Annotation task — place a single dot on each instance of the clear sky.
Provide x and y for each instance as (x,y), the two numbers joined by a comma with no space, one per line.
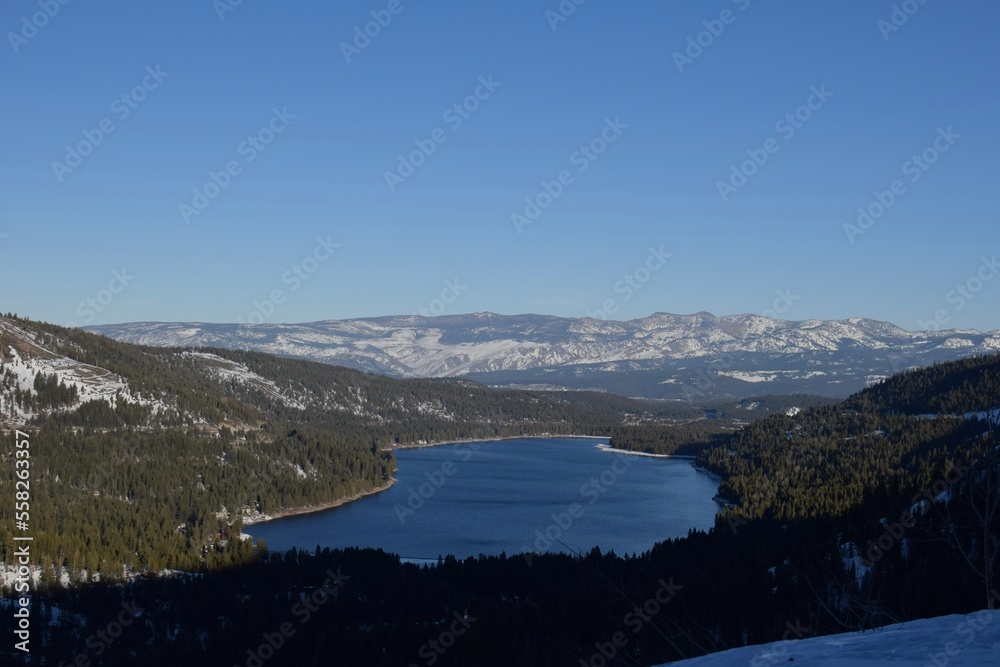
(115,115)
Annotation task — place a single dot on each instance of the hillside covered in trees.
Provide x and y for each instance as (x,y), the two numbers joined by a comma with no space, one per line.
(902,433)
(150,458)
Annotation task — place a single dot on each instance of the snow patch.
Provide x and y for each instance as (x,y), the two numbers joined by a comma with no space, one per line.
(969,639)
(225,370)
(751,376)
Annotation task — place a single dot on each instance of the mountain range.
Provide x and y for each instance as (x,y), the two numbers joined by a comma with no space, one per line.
(698,356)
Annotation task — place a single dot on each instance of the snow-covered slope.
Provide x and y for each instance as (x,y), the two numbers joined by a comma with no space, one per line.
(23,356)
(962,640)
(224,370)
(521,349)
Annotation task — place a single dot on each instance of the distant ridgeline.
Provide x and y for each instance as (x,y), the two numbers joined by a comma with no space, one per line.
(880,508)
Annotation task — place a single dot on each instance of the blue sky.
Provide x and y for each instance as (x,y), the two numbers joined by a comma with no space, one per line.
(271,81)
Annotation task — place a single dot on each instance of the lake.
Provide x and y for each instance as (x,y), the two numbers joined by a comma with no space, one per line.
(530,494)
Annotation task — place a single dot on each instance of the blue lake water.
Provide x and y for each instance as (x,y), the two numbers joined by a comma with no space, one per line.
(512,496)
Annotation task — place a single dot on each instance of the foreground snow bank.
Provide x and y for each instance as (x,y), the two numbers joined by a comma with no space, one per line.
(970,639)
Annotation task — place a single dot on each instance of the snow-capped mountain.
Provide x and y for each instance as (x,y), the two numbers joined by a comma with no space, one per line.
(662,355)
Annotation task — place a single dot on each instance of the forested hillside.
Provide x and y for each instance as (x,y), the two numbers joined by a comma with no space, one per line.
(150,458)
(900,434)
(955,388)
(687,429)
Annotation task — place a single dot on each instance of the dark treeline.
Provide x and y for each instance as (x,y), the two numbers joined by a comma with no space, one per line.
(828,459)
(688,439)
(750,409)
(954,388)
(694,429)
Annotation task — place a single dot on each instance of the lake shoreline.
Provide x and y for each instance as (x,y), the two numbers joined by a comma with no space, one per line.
(678,457)
(309,509)
(465,441)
